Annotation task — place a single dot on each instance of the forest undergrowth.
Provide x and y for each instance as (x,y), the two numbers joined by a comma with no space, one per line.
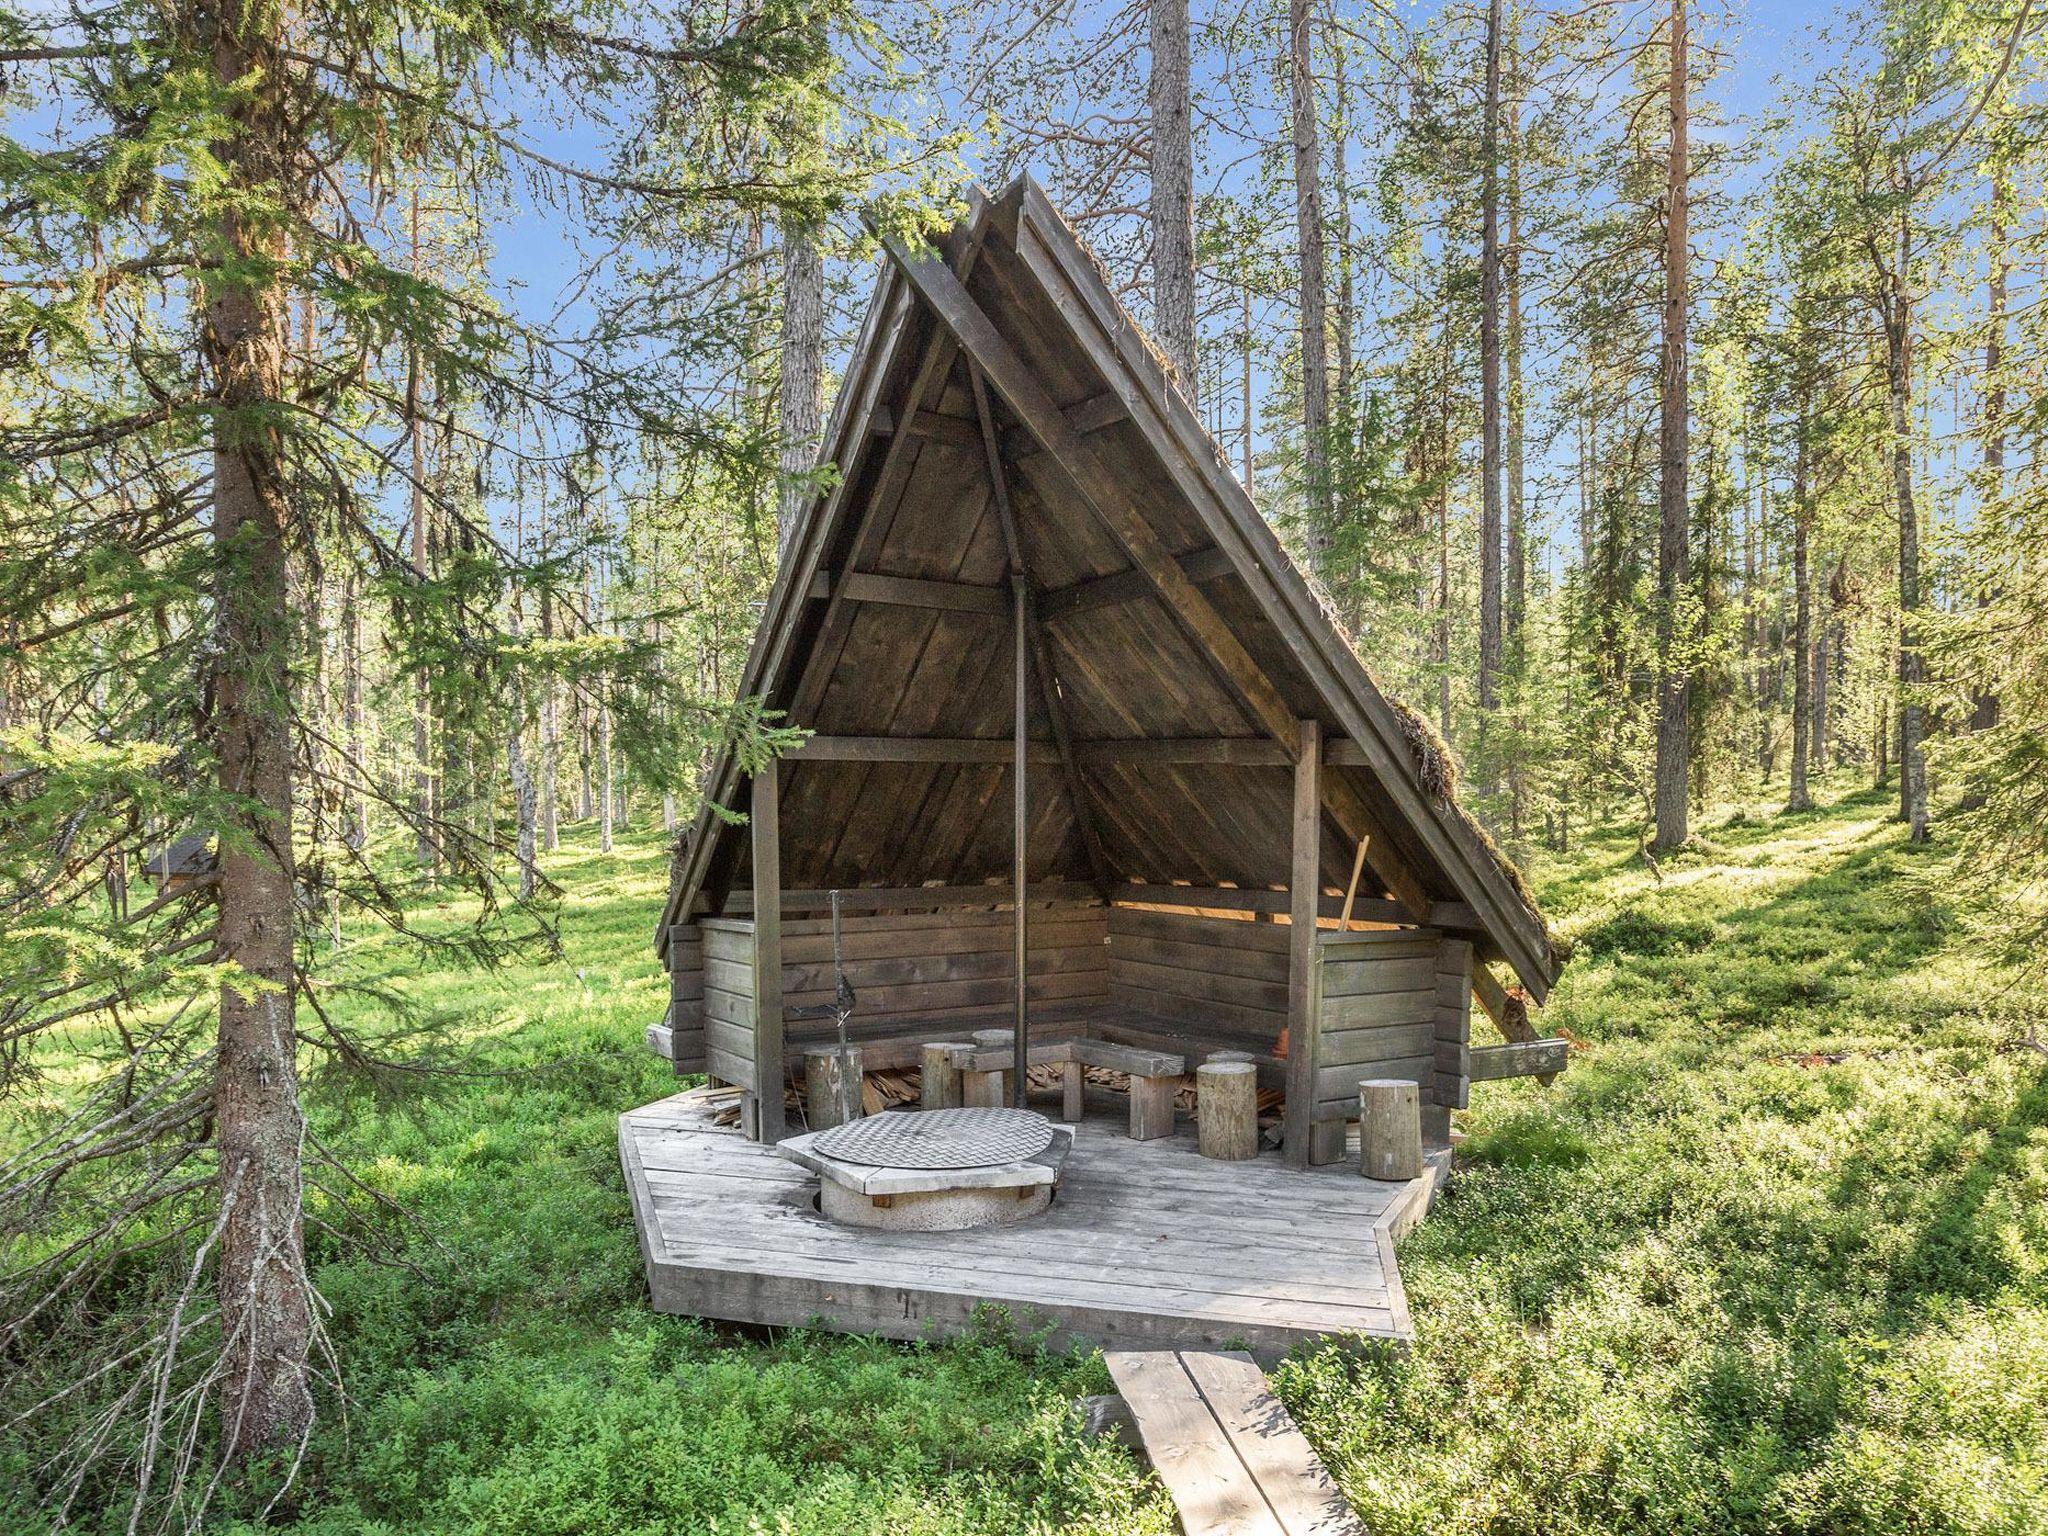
(1772,1256)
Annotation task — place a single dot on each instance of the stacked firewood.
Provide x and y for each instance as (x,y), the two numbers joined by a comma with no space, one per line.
(893,1088)
(1047,1079)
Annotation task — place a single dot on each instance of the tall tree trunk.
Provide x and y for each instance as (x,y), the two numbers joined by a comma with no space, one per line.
(1442,632)
(586,803)
(1173,195)
(1308,227)
(1674,745)
(801,399)
(586,795)
(1346,321)
(1489,377)
(355,817)
(1899,378)
(265,1312)
(1817,717)
(1245,404)
(424,849)
(607,811)
(550,741)
(1984,702)
(1802,618)
(1516,602)
(524,801)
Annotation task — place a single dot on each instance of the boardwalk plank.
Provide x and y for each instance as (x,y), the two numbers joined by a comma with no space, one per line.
(1276,1453)
(1192,1453)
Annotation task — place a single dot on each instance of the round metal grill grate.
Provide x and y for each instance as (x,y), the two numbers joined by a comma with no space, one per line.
(939,1138)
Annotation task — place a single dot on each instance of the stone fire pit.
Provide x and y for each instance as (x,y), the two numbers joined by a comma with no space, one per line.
(937,1170)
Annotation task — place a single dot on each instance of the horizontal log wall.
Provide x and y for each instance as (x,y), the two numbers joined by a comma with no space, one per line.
(906,969)
(1225,977)
(729,999)
(1378,1006)
(1454,1023)
(686,998)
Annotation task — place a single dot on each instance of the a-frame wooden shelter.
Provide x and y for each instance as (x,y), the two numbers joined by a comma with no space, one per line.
(1088,751)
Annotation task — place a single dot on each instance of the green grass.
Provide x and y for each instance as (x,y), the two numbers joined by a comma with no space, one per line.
(1772,1256)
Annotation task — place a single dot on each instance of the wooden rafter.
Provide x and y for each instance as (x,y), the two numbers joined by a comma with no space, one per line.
(912,592)
(1014,380)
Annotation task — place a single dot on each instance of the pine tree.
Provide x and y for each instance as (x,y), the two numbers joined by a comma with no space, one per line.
(182,477)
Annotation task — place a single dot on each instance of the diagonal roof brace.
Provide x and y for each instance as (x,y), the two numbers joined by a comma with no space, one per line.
(1015,382)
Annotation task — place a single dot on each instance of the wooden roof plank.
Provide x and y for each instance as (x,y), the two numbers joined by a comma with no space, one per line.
(1021,390)
(1047,248)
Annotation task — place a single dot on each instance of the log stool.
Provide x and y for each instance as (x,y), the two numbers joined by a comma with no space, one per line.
(1073,1076)
(987,1090)
(939,1079)
(832,1080)
(1227,1110)
(1389,1129)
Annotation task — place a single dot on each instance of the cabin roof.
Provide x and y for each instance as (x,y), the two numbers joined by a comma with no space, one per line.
(1181,644)
(191,853)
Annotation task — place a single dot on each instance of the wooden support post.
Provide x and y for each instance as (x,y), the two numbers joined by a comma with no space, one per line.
(1020,832)
(1227,1110)
(1151,1107)
(1304,900)
(939,1082)
(765,817)
(1351,888)
(1072,1078)
(1390,1129)
(832,1081)
(1041,653)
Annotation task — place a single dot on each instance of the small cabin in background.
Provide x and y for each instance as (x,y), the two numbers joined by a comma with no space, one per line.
(1089,757)
(180,863)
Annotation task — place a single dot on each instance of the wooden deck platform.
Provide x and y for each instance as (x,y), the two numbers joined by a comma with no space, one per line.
(1149,1245)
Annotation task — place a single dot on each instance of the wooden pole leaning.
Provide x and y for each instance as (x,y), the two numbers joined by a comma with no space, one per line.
(1020,832)
(1390,1129)
(765,819)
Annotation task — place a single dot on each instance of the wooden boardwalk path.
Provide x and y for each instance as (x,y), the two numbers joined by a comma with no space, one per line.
(1226,1448)
(1149,1245)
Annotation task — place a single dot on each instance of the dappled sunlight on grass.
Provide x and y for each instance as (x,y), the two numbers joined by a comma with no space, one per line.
(1772,1256)
(1749,1264)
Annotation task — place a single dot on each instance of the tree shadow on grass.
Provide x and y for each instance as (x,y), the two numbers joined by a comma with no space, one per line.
(1962,1250)
(1800,963)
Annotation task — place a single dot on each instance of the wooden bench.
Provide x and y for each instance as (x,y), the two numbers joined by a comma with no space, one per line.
(1227,1450)
(1153,1074)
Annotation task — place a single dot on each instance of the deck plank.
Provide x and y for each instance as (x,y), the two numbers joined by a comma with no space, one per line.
(1148,1245)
